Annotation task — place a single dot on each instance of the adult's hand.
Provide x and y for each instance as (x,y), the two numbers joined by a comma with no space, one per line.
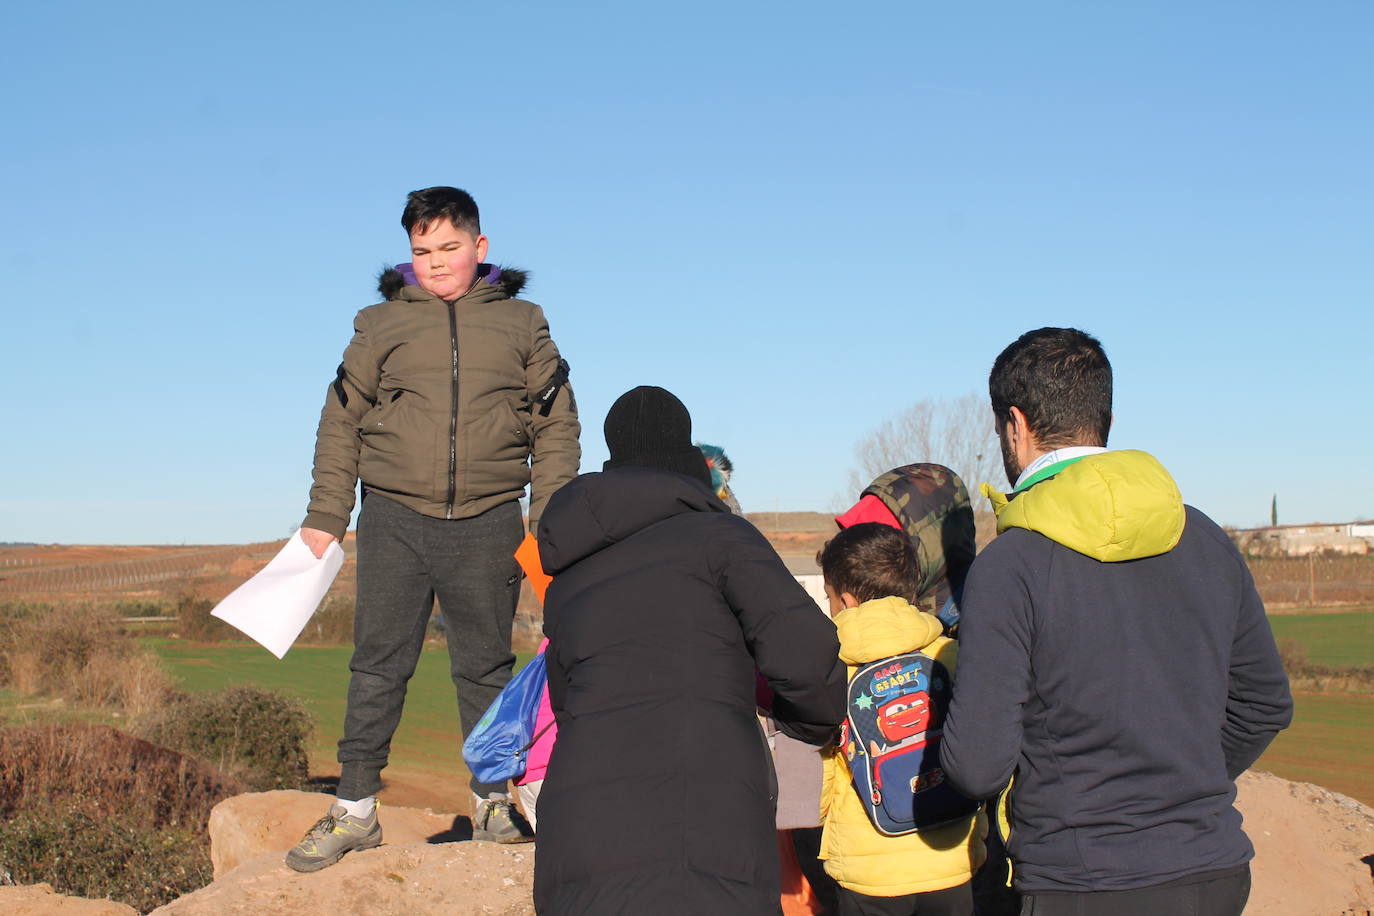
(318,541)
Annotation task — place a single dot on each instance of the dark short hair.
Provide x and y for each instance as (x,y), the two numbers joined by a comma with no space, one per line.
(1061,380)
(425,206)
(871,560)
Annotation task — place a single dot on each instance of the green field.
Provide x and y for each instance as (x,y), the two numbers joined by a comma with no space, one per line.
(1343,639)
(426,745)
(1329,743)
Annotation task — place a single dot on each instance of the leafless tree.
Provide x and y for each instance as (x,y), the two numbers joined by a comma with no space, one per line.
(956,432)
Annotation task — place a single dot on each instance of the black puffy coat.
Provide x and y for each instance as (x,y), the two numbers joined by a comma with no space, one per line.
(660,791)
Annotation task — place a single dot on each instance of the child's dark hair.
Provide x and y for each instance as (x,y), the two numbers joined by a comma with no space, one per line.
(871,560)
(425,206)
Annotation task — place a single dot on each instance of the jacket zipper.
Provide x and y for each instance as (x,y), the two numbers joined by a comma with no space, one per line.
(453,416)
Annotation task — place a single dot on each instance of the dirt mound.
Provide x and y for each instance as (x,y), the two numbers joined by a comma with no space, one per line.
(1311,849)
(413,879)
(1314,848)
(42,900)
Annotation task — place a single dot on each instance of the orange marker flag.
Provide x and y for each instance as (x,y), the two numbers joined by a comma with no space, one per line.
(527,555)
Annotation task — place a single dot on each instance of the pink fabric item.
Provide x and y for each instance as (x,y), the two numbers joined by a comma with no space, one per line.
(868,509)
(538,760)
(763,694)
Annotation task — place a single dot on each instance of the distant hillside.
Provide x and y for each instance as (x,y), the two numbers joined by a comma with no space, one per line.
(792,521)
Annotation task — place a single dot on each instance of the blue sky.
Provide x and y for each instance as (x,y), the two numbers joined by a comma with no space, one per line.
(800,218)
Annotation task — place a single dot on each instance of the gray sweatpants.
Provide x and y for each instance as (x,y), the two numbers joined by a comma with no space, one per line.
(405,559)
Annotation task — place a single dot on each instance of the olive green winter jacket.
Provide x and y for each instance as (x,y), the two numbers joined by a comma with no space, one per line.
(437,405)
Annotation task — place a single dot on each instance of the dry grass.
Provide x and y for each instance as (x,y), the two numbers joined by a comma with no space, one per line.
(1303,676)
(106,771)
(82,654)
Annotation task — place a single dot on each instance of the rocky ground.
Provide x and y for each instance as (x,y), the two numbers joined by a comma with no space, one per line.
(1314,857)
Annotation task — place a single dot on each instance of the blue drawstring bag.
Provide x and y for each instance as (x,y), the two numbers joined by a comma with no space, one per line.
(497,747)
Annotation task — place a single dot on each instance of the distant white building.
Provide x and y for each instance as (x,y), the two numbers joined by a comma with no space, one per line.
(1352,538)
(808,575)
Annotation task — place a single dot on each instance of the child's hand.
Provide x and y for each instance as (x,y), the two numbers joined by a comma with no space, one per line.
(318,541)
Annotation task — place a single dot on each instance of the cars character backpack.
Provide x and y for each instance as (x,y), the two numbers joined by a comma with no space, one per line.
(891,740)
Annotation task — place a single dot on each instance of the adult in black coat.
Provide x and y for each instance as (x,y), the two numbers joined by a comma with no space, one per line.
(660,792)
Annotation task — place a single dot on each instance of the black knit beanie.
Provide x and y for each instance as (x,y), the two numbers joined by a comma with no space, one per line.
(648,427)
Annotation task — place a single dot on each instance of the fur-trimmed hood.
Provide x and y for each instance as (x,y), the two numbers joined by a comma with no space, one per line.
(510,280)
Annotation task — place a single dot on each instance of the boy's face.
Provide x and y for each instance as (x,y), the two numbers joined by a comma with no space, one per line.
(445,258)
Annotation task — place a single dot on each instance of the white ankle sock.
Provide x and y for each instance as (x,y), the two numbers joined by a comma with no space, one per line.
(363,807)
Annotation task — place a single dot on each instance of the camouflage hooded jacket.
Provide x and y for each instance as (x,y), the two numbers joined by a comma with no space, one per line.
(932,505)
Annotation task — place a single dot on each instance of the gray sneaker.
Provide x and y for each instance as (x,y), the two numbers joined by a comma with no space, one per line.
(496,820)
(333,835)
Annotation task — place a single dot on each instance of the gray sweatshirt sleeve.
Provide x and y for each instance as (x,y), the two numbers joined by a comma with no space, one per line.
(1258,702)
(992,684)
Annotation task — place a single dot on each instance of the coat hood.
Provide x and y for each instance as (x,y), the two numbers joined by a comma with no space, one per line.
(883,627)
(1111,506)
(931,504)
(594,511)
(509,280)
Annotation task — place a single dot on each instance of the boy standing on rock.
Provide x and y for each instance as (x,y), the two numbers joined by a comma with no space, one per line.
(451,397)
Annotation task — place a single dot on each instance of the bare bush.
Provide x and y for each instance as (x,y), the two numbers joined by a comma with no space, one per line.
(258,736)
(47,651)
(1292,653)
(95,812)
(119,857)
(1307,678)
(955,432)
(136,683)
(194,622)
(24,672)
(104,770)
(83,654)
(332,623)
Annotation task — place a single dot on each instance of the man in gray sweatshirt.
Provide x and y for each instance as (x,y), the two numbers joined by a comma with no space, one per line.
(1114,657)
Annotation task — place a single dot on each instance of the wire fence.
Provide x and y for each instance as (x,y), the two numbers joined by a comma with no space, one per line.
(1314,580)
(39,578)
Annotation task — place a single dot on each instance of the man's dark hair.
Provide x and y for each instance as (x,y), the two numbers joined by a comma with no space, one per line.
(871,560)
(1061,380)
(426,206)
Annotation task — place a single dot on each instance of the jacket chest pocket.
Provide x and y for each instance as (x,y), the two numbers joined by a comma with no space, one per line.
(398,449)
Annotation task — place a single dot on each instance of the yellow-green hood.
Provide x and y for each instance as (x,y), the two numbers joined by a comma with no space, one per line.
(1112,506)
(883,627)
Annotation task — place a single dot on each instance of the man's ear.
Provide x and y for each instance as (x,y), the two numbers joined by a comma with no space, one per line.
(1019,433)
(848,600)
(481,248)
(1019,427)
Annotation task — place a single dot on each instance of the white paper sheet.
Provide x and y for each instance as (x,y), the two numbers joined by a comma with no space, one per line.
(274,606)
